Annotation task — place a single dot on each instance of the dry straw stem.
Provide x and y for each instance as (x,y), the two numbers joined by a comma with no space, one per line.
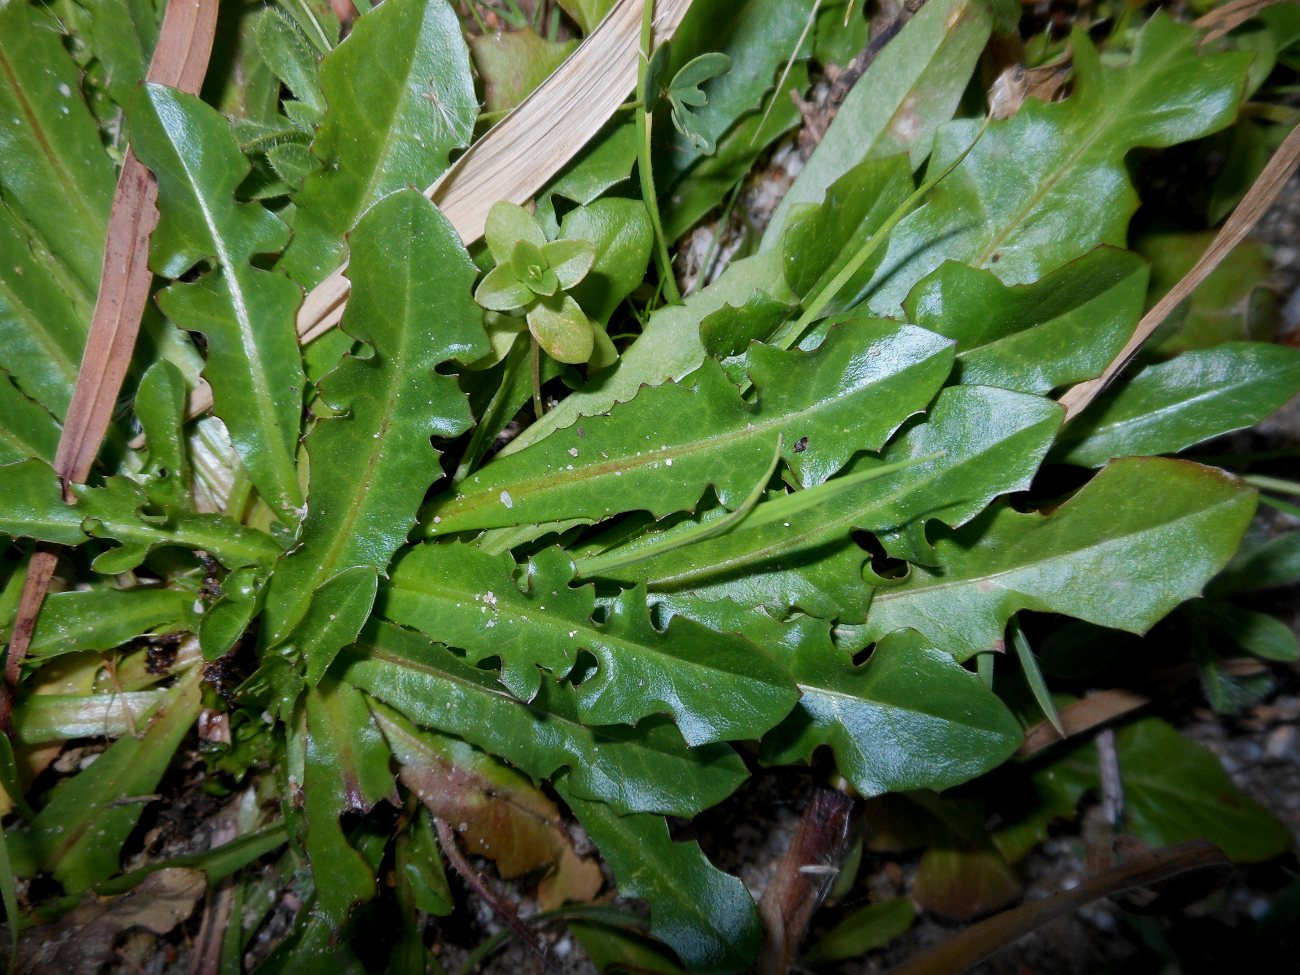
(524,150)
(1223,19)
(990,936)
(1252,206)
(180,60)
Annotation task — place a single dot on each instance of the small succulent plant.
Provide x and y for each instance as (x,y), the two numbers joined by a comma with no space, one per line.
(532,279)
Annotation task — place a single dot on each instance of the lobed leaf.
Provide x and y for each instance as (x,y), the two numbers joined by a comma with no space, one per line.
(1173,405)
(27,430)
(849,394)
(1049,184)
(715,687)
(703,914)
(1143,536)
(247,314)
(496,812)
(909,90)
(646,769)
(796,552)
(101,619)
(346,771)
(372,462)
(1062,329)
(401,100)
(34,508)
(909,718)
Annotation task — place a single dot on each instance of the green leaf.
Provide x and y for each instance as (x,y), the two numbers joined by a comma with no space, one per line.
(287,52)
(246,314)
(862,930)
(684,95)
(716,687)
(1256,566)
(571,260)
(1176,790)
(821,240)
(919,77)
(1034,338)
(1049,184)
(978,442)
(122,36)
(34,508)
(419,864)
(587,13)
(729,330)
(500,290)
(1143,536)
(619,230)
(226,620)
(703,914)
(735,50)
(849,394)
(386,129)
(160,405)
(911,88)
(346,771)
(372,462)
(508,224)
(909,718)
(562,329)
(44,317)
(101,619)
(1257,633)
(514,63)
(339,608)
(44,718)
(27,430)
(646,769)
(80,832)
(57,178)
(1173,405)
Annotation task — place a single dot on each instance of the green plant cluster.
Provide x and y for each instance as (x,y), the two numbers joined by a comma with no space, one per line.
(430,601)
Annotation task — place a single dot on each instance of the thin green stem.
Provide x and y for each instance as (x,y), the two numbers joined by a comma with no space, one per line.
(645,123)
(792,332)
(715,245)
(1272,484)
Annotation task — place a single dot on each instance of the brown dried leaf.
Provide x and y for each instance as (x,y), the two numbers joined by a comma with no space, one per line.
(83,939)
(496,812)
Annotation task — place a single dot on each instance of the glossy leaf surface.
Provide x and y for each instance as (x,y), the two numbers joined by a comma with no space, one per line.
(346,771)
(372,461)
(400,100)
(647,769)
(1173,405)
(247,314)
(34,508)
(849,394)
(1034,338)
(715,687)
(1141,537)
(705,915)
(976,443)
(1049,184)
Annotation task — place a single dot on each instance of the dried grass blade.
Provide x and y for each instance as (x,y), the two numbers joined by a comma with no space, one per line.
(1223,19)
(990,936)
(543,133)
(180,60)
(1248,212)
